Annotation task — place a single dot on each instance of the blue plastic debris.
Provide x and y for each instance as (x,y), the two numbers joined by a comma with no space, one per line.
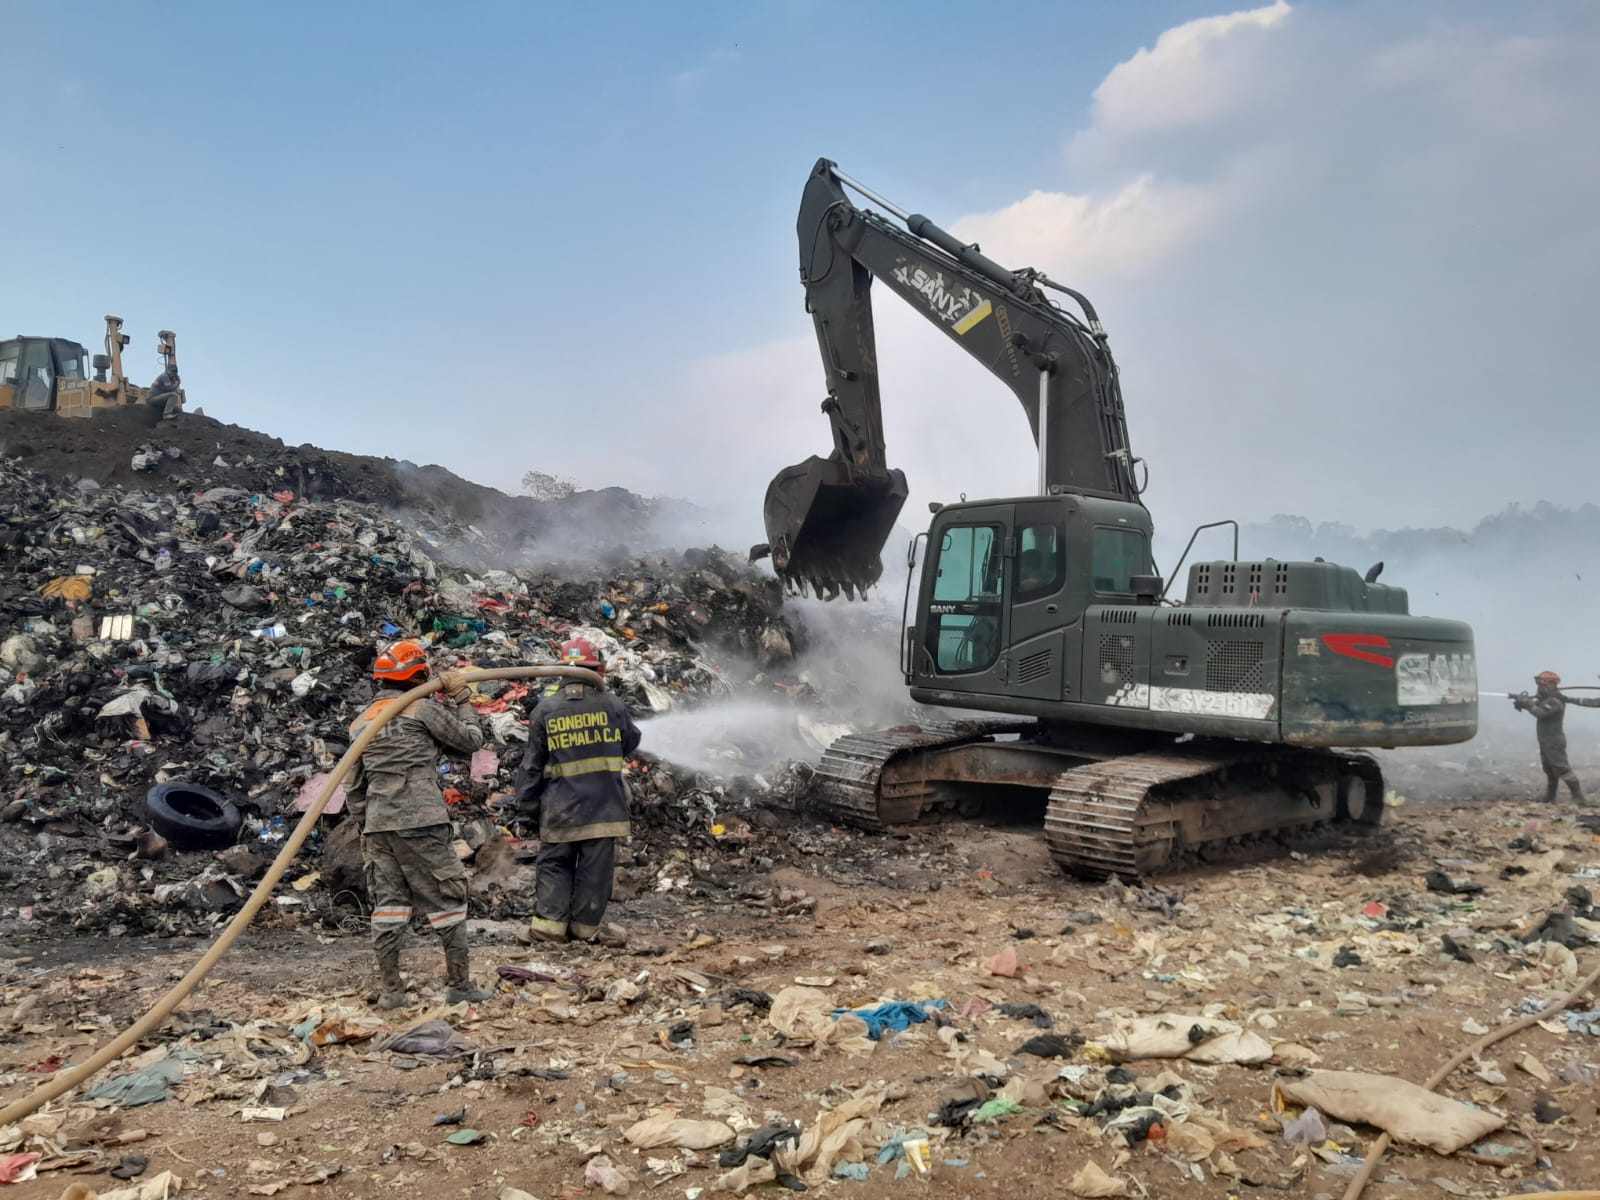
(893,1149)
(1584,1022)
(896,1015)
(854,1170)
(388,630)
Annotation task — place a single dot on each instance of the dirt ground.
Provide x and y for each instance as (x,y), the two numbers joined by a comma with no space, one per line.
(917,916)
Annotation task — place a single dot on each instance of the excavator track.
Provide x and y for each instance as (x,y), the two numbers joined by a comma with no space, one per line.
(1145,814)
(848,784)
(1129,815)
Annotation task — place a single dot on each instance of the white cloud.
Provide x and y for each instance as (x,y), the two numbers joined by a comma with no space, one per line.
(1346,260)
(1191,76)
(1120,233)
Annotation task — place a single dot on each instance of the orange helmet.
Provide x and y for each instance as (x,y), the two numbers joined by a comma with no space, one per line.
(580,652)
(401,662)
(1547,677)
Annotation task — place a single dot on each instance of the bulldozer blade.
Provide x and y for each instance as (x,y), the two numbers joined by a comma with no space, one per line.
(825,530)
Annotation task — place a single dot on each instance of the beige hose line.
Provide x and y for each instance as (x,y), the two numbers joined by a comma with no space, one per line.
(1359,1183)
(65,1081)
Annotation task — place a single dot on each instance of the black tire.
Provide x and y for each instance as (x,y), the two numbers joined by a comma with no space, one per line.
(192,817)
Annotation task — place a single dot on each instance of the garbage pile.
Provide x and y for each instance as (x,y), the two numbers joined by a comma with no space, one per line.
(214,645)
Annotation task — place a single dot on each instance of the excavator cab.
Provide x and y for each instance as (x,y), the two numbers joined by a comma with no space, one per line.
(1007,589)
(826,525)
(32,368)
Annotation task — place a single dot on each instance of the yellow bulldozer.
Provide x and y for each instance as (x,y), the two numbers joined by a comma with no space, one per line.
(44,374)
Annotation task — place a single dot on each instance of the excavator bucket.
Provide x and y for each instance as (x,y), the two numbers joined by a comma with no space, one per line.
(825,529)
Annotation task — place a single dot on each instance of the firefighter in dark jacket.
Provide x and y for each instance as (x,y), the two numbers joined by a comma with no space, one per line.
(1549,708)
(571,787)
(406,844)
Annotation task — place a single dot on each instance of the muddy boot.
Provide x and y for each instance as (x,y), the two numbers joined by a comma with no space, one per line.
(609,934)
(1550,789)
(545,930)
(459,988)
(1576,789)
(391,987)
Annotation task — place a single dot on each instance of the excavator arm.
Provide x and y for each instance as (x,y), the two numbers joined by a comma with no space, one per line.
(828,518)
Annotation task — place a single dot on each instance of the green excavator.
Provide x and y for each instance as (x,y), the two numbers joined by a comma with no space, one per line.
(1160,734)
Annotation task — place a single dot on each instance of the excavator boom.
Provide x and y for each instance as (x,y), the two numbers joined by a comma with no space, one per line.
(827,518)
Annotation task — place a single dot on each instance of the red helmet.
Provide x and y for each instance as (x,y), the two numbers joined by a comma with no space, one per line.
(1547,677)
(580,652)
(401,662)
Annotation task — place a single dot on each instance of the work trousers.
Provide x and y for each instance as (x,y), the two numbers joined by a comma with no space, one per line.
(574,886)
(414,870)
(1553,757)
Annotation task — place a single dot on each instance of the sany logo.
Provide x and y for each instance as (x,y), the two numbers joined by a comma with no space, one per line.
(1351,645)
(947,304)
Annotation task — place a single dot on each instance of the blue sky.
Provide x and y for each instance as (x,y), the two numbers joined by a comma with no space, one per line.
(511,236)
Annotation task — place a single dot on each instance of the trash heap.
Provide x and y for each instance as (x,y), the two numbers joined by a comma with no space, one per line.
(221,640)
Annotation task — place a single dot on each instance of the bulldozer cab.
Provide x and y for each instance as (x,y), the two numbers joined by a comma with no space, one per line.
(32,368)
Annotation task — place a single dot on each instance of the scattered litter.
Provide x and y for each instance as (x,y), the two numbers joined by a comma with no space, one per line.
(1050,1045)
(1587,1021)
(433,1038)
(1026,1012)
(602,1173)
(805,1016)
(1003,964)
(654,1132)
(1407,1112)
(895,1015)
(158,1187)
(1545,1111)
(993,1110)
(1091,1182)
(1307,1129)
(1200,1039)
(148,1085)
(1438,881)
(130,1166)
(19,1168)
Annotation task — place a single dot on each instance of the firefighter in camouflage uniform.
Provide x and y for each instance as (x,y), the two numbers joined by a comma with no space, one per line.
(406,843)
(1549,708)
(571,788)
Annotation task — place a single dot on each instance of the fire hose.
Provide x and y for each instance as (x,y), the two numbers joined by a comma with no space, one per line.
(65,1081)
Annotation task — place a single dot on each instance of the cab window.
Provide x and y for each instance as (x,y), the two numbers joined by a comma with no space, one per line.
(1118,555)
(1041,563)
(964,626)
(68,364)
(37,378)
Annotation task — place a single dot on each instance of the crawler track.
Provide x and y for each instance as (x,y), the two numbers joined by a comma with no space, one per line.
(1148,813)
(848,784)
(1131,815)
